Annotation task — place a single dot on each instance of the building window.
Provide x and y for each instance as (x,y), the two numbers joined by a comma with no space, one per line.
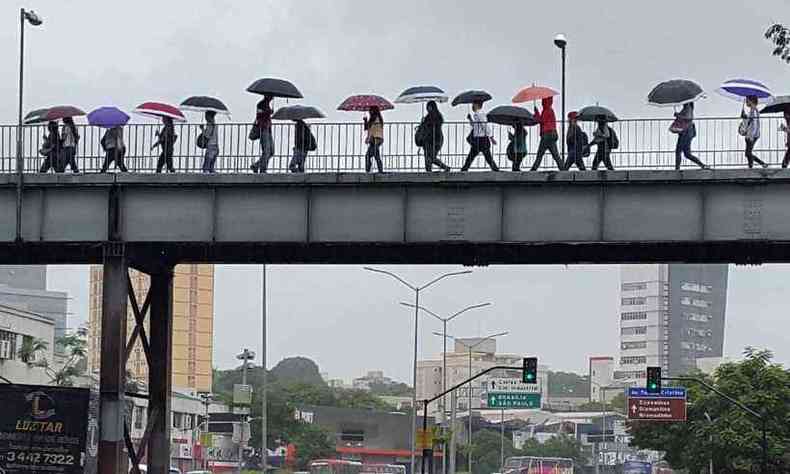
(8,347)
(139,415)
(633,331)
(633,345)
(633,286)
(695,287)
(699,332)
(694,302)
(633,301)
(352,437)
(633,360)
(634,315)
(697,317)
(178,419)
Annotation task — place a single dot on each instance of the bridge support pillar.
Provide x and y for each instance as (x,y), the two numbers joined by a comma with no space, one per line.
(112,385)
(160,370)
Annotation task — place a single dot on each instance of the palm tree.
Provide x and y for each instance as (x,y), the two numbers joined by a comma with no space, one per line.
(30,349)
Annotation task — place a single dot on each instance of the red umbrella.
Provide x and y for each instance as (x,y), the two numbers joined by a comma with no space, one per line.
(160,110)
(61,112)
(533,93)
(363,102)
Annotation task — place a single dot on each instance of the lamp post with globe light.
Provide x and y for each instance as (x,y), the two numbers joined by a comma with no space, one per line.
(561,42)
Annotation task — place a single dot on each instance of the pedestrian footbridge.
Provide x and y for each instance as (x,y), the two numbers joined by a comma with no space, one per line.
(467,218)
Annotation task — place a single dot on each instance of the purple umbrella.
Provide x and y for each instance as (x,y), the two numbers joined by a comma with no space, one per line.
(108,117)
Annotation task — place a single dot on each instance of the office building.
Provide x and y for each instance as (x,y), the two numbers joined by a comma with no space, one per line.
(193,325)
(601,375)
(671,315)
(16,326)
(24,287)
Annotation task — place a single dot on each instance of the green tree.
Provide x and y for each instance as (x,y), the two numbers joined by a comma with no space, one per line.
(298,370)
(312,442)
(779,35)
(74,350)
(617,404)
(486,445)
(732,437)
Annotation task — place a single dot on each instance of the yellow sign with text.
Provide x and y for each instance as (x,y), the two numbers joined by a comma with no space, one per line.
(424,439)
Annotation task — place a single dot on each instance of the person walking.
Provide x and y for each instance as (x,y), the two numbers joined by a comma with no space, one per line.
(576,141)
(785,127)
(304,142)
(517,148)
(210,142)
(750,130)
(70,138)
(605,139)
(115,149)
(374,125)
(548,134)
(51,149)
(479,139)
(686,130)
(263,130)
(431,136)
(166,139)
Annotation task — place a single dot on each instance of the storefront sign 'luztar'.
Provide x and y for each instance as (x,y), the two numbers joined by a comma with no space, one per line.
(42,429)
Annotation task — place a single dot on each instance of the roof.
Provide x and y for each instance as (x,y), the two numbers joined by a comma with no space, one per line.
(21,313)
(601,358)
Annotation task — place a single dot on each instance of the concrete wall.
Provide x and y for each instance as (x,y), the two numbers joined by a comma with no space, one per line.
(50,304)
(24,276)
(20,324)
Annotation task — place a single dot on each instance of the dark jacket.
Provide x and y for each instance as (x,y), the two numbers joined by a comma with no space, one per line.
(433,137)
(577,140)
(303,137)
(167,138)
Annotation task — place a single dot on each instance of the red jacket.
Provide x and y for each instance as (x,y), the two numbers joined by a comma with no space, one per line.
(546,119)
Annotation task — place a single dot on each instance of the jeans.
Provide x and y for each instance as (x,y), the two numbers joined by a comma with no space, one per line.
(69,158)
(374,151)
(548,142)
(116,155)
(431,158)
(751,158)
(683,148)
(603,154)
(575,158)
(165,159)
(210,159)
(297,161)
(786,160)
(267,150)
(480,145)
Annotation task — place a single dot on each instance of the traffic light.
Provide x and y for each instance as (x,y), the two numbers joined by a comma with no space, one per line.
(654,380)
(530,374)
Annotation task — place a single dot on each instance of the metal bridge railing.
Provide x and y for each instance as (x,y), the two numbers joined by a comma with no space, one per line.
(644,144)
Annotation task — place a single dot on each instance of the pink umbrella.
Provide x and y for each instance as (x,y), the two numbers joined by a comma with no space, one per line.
(363,102)
(160,110)
(61,112)
(534,93)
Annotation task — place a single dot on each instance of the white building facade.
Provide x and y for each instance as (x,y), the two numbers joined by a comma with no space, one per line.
(16,326)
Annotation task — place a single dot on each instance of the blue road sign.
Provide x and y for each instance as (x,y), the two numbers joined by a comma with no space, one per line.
(666,392)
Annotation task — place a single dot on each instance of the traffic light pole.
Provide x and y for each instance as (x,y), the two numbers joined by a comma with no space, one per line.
(763,420)
(427,453)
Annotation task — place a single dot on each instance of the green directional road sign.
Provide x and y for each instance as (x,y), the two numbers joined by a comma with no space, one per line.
(513,400)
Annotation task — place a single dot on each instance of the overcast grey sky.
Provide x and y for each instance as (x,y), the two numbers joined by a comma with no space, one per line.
(89,53)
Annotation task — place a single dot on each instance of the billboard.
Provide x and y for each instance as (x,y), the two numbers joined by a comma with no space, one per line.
(43,429)
(637,467)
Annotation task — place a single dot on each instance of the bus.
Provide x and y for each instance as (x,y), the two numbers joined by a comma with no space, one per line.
(538,465)
(342,466)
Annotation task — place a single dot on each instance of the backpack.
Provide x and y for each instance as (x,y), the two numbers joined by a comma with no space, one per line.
(419,135)
(614,142)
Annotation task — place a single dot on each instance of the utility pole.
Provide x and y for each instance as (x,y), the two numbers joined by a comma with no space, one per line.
(245,356)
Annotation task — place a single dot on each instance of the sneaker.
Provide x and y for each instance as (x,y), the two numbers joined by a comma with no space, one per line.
(254,168)
(765,165)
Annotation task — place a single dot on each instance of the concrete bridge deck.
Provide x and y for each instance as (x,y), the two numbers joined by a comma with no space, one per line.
(468,218)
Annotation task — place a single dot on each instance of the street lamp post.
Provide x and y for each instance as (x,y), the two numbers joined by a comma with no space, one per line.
(602,400)
(35,20)
(416,290)
(444,322)
(471,348)
(560,41)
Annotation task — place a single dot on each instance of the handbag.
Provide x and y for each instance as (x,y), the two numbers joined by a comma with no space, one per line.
(202,141)
(679,126)
(255,132)
(743,128)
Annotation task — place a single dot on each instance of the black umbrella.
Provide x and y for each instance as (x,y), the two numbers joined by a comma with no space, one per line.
(470,97)
(275,88)
(36,116)
(298,112)
(675,93)
(778,105)
(592,112)
(511,115)
(201,103)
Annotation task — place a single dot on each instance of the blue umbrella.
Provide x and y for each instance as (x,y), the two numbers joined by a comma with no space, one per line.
(108,117)
(739,89)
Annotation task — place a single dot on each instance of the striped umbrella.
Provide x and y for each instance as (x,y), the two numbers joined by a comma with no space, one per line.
(419,94)
(160,110)
(739,89)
